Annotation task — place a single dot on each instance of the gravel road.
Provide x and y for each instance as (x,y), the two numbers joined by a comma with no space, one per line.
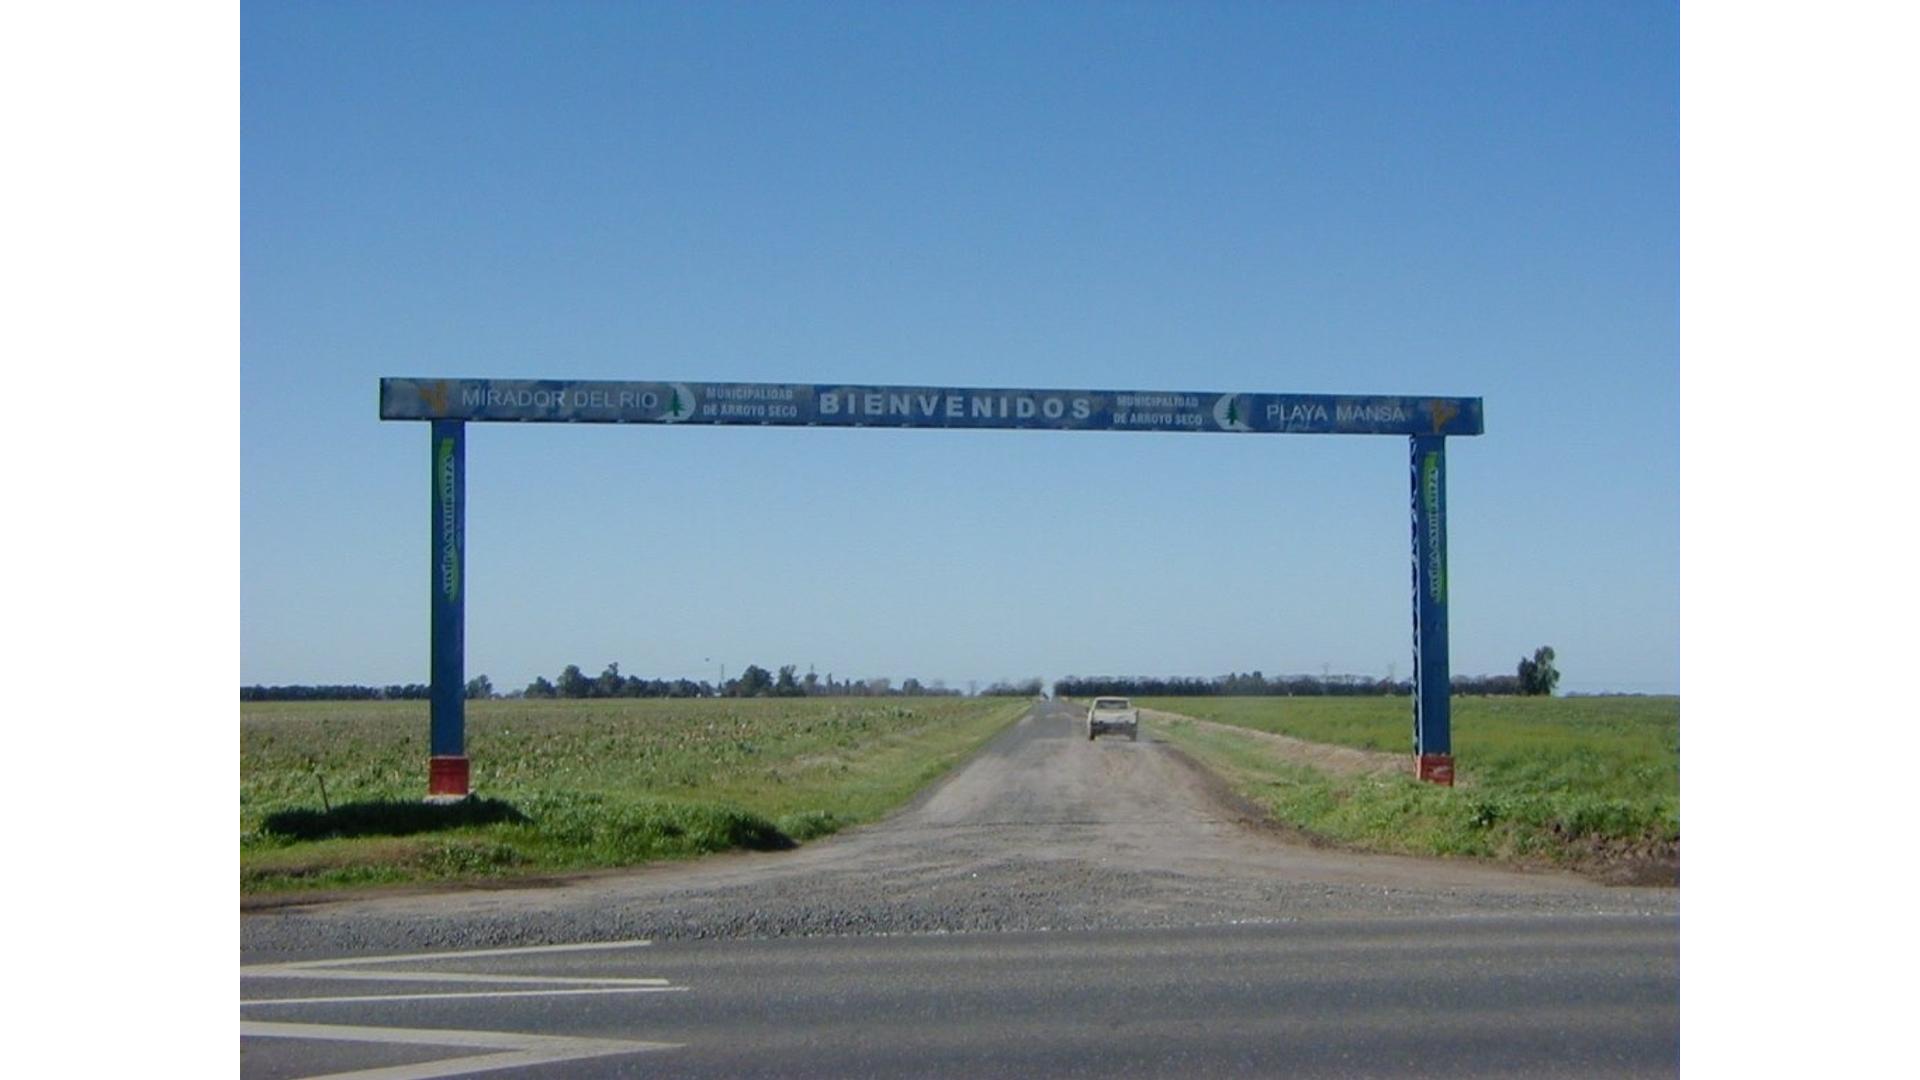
(1041,830)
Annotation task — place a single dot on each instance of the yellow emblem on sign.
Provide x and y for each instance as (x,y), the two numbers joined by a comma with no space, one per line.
(436,397)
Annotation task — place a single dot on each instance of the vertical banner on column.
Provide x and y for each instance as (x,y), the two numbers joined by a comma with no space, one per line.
(447,738)
(1432,679)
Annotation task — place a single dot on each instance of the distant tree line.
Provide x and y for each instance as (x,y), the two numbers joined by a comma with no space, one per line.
(574,683)
(334,692)
(1536,675)
(1250,684)
(755,681)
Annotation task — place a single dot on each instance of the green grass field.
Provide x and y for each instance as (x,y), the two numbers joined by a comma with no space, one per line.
(573,785)
(1589,783)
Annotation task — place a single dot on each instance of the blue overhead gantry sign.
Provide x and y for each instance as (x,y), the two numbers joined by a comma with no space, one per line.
(804,405)
(449,404)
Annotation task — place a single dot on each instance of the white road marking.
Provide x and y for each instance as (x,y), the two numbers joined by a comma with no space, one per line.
(454,995)
(516,1049)
(523,950)
(328,974)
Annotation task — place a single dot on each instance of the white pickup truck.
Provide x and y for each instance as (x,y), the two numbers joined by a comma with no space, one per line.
(1113,714)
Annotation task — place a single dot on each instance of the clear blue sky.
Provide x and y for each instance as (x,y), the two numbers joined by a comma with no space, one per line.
(1319,197)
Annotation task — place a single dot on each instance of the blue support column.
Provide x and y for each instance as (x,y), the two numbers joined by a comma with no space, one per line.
(1432,679)
(447,736)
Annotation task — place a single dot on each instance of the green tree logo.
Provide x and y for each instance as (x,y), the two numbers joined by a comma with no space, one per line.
(1229,415)
(681,403)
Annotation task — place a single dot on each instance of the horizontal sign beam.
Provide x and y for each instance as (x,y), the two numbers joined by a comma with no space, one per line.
(803,405)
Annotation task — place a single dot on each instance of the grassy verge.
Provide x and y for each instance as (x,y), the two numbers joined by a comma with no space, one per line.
(1586,783)
(573,785)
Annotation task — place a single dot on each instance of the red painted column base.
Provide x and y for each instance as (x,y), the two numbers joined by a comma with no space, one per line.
(447,776)
(1435,768)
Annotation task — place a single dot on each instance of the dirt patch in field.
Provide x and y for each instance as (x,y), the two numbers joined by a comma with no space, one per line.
(1343,760)
(1627,862)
